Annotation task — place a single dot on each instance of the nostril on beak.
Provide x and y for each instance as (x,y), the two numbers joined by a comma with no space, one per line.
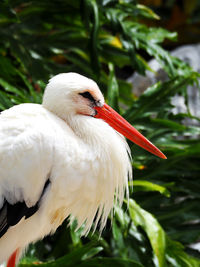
(98,103)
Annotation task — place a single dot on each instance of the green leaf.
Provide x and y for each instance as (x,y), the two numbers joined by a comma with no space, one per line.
(107,262)
(142,185)
(113,90)
(93,44)
(70,259)
(147,12)
(154,95)
(11,89)
(92,252)
(153,230)
(177,257)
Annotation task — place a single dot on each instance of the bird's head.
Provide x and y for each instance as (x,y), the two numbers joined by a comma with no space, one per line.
(69,94)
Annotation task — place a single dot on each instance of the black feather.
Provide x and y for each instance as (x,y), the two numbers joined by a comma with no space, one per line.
(11,214)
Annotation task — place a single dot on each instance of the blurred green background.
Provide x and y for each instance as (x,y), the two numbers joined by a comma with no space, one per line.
(107,41)
(182,16)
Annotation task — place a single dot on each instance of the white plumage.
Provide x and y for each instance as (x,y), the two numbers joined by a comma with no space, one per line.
(85,160)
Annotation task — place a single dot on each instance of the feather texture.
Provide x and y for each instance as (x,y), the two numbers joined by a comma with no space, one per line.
(11,214)
(86,161)
(36,142)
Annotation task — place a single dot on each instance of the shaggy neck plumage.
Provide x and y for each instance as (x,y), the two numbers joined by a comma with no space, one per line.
(111,151)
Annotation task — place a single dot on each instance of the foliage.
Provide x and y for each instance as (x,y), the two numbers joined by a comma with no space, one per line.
(180,16)
(99,39)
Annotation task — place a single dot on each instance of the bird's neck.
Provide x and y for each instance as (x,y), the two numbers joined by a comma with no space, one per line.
(104,167)
(88,129)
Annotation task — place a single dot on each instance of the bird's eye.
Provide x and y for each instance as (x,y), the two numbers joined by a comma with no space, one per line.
(87,95)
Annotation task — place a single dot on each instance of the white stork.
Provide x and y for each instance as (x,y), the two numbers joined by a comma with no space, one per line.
(62,158)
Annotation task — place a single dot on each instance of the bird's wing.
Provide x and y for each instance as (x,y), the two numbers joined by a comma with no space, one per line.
(11,214)
(25,163)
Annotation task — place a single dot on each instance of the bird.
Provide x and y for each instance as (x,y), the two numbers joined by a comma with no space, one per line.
(64,158)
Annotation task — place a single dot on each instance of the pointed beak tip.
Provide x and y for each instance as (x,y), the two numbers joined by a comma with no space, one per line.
(158,153)
(122,126)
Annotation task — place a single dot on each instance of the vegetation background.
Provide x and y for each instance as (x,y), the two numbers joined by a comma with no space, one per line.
(107,40)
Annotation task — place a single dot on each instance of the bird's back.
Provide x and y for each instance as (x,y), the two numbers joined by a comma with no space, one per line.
(25,152)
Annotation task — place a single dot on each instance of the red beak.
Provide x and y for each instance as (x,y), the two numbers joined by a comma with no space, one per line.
(116,121)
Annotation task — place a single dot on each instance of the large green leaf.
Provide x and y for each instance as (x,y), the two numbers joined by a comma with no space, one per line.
(154,231)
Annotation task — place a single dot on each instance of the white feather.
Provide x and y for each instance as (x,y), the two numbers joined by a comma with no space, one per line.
(86,160)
